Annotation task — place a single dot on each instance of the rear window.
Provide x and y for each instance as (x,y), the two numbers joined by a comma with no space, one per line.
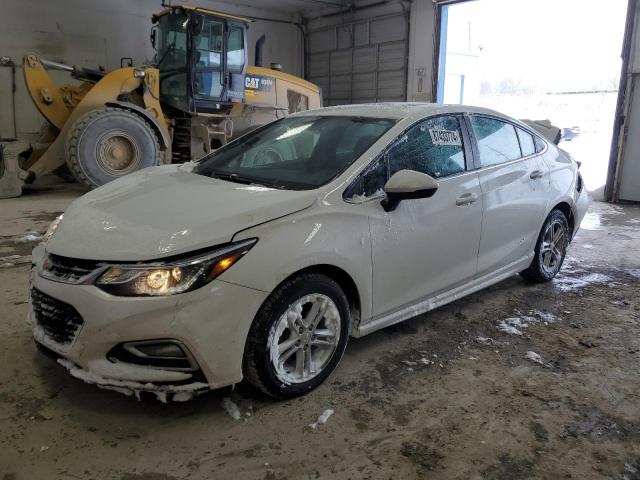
(497,140)
(540,145)
(526,143)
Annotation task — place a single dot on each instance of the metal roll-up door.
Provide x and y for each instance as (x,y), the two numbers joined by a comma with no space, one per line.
(360,62)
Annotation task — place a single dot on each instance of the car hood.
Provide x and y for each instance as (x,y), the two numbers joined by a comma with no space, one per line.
(164,211)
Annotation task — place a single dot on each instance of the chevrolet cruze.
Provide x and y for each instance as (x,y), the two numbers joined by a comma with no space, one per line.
(262,259)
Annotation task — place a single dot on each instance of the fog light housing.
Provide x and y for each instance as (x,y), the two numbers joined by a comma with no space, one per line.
(160,354)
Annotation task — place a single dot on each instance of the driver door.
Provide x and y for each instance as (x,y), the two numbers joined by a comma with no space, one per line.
(427,246)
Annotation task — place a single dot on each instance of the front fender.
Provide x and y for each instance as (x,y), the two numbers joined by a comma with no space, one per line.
(305,239)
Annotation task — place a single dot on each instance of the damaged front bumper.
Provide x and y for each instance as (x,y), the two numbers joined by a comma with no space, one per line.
(210,324)
(164,393)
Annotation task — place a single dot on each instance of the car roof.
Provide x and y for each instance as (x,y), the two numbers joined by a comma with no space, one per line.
(399,110)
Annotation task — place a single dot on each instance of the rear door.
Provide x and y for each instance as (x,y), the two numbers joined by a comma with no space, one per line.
(428,245)
(515,185)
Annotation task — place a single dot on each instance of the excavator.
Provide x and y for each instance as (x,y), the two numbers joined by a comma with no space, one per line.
(198,95)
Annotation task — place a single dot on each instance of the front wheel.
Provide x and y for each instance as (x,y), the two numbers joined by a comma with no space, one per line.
(108,143)
(298,337)
(551,249)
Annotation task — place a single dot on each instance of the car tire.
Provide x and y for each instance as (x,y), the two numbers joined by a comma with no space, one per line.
(108,143)
(286,320)
(551,249)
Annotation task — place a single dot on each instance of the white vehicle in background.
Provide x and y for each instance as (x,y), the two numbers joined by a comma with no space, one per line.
(261,260)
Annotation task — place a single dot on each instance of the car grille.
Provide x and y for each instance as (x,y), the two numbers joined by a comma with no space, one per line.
(68,270)
(60,321)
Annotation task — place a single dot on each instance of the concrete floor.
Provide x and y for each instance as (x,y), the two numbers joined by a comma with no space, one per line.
(479,410)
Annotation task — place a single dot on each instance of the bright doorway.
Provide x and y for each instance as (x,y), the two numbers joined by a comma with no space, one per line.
(539,59)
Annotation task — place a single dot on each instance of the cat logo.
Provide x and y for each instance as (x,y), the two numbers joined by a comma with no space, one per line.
(258,82)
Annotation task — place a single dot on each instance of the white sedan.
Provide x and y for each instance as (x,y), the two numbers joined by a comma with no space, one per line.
(262,259)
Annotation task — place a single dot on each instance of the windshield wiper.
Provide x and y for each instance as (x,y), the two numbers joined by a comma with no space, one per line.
(234,177)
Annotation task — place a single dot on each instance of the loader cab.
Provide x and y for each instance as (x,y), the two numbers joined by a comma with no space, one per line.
(201,56)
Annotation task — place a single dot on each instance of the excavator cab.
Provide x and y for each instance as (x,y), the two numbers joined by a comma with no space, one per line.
(201,55)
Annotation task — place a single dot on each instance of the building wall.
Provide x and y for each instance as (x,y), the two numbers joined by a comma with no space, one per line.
(421,16)
(422,52)
(627,186)
(97,32)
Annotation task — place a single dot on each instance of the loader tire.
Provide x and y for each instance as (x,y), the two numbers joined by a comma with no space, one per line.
(108,143)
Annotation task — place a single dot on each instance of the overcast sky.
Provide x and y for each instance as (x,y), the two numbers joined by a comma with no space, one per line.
(550,44)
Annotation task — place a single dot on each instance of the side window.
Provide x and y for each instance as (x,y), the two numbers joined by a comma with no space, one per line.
(369,183)
(433,147)
(526,143)
(497,140)
(539,144)
(235,50)
(208,62)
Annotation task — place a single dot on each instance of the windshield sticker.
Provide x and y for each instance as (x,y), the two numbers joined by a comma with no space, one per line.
(445,137)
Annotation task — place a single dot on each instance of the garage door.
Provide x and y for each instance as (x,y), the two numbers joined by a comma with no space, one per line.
(364,61)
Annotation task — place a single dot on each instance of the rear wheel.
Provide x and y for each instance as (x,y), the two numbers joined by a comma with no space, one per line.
(550,250)
(298,336)
(109,143)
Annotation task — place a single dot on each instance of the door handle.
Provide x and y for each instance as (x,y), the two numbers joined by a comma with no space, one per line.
(536,174)
(466,199)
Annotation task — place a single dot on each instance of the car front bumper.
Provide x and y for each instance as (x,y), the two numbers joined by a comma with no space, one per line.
(211,322)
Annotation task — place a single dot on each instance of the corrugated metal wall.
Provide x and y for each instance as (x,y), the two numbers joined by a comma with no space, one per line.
(362,61)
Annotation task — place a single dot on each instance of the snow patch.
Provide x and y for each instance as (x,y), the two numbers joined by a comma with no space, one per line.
(634,272)
(231,408)
(534,357)
(570,284)
(31,236)
(13,260)
(322,419)
(128,387)
(513,325)
(504,327)
(546,317)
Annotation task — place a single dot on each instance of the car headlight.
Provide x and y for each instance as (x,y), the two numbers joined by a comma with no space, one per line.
(53,226)
(172,276)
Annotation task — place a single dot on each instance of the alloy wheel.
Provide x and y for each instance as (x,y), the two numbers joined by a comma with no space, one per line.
(305,337)
(553,247)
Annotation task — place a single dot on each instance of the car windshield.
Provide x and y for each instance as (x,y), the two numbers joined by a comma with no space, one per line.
(295,153)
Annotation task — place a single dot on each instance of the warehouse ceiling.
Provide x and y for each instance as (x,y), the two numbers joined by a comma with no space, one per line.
(302,7)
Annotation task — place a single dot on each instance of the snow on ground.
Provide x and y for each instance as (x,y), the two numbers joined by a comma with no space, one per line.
(31,236)
(231,408)
(514,325)
(13,260)
(534,357)
(322,419)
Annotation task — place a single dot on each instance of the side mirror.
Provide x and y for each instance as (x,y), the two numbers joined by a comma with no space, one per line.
(406,185)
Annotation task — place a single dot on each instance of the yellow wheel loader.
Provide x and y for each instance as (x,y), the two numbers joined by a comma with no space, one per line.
(198,95)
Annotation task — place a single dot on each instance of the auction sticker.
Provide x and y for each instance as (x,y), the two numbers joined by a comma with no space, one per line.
(445,137)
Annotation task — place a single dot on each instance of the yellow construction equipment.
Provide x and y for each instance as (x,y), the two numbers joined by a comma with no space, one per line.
(198,95)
